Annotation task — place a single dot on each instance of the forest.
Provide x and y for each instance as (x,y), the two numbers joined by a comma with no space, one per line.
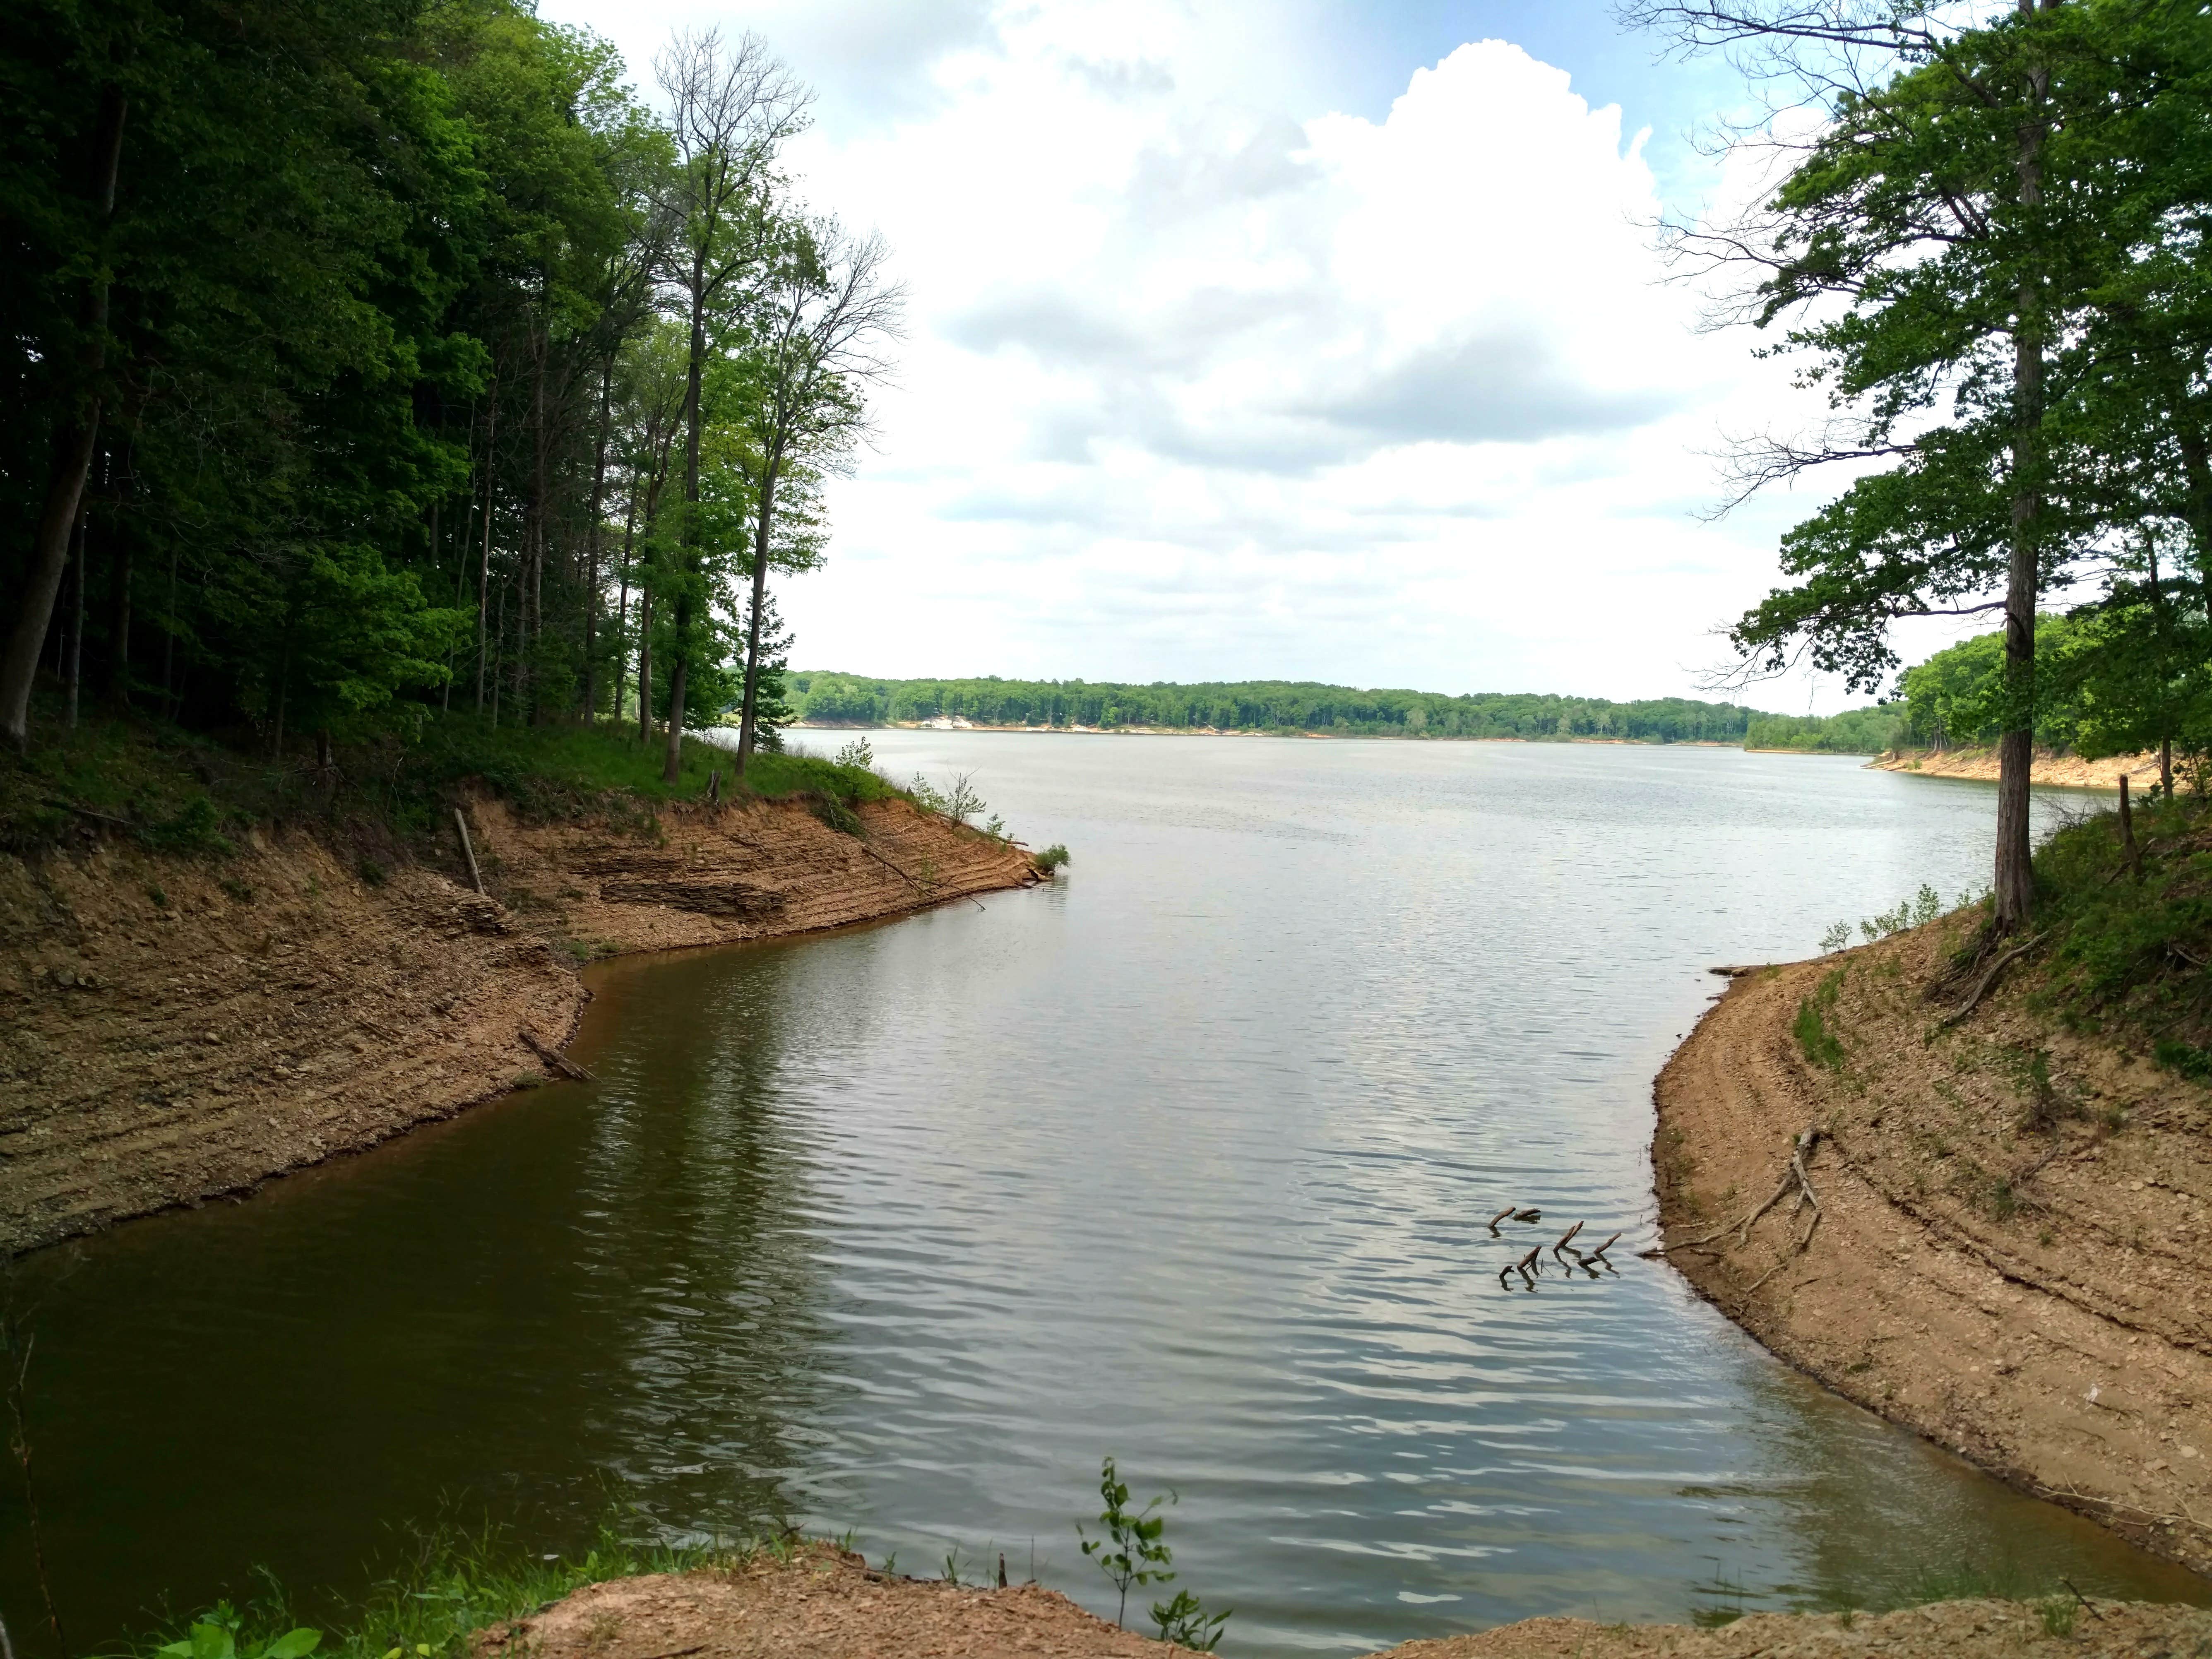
(831,699)
(372,359)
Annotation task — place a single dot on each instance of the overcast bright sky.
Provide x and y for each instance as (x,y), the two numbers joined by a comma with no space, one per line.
(1307,339)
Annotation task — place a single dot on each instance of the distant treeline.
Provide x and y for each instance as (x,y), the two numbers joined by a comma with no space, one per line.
(1956,699)
(1855,732)
(1260,705)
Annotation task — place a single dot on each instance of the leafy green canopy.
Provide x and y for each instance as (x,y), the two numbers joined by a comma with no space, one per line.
(1917,266)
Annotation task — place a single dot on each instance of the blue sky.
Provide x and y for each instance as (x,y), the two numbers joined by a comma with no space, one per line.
(1292,338)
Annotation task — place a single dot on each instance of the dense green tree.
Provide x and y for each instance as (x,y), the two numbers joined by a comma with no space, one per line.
(1946,254)
(358,347)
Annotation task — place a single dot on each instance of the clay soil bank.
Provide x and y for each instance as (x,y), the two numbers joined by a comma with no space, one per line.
(2060,771)
(2014,1260)
(172,1029)
(824,1605)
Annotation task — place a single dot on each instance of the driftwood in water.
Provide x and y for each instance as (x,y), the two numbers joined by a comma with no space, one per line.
(560,1062)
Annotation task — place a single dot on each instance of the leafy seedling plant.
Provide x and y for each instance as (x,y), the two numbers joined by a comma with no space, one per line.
(1135,1551)
(216,1637)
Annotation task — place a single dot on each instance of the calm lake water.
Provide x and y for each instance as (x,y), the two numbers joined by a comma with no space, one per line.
(1186,1159)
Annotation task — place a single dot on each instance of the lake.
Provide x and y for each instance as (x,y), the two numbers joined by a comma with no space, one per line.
(1186,1158)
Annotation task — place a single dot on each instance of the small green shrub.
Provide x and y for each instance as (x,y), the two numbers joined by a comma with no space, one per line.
(237,889)
(216,1637)
(2059,1613)
(371,872)
(1188,1624)
(193,828)
(1132,1552)
(1052,858)
(1811,1026)
(2186,1058)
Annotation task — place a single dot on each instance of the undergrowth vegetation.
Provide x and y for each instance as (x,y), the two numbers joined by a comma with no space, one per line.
(2130,935)
(176,791)
(451,1584)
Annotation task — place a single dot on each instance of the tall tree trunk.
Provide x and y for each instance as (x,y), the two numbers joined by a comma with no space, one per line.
(761,537)
(645,665)
(2014,886)
(671,767)
(2197,476)
(592,565)
(529,626)
(622,612)
(169,640)
(681,633)
(483,571)
(76,667)
(499,628)
(75,434)
(119,614)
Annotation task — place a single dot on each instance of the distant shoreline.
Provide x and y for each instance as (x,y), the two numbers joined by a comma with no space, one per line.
(1239,731)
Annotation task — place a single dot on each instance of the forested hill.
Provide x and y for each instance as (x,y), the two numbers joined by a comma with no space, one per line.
(1260,705)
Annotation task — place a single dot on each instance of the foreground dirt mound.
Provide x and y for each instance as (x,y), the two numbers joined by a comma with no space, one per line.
(823,1605)
(827,1604)
(2010,1251)
(175,1028)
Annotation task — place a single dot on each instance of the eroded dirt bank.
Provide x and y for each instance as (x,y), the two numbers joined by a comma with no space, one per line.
(2010,1254)
(2062,771)
(172,1029)
(824,1605)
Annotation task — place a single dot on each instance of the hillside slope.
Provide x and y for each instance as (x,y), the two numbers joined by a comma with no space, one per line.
(176,1027)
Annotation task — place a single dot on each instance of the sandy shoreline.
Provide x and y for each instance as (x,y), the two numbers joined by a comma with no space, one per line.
(174,1029)
(2054,771)
(2025,1286)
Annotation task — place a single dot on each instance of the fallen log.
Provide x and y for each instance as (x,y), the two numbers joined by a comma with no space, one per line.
(560,1062)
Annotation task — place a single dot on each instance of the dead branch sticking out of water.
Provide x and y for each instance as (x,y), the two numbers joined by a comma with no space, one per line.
(1561,1246)
(1500,1216)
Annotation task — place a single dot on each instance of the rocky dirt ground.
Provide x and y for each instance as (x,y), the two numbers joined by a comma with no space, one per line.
(2010,1255)
(174,1028)
(825,1604)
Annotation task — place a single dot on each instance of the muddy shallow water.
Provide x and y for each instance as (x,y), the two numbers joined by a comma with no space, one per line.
(1186,1159)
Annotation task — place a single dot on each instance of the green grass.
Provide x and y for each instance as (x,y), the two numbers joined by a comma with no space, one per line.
(182,792)
(451,1585)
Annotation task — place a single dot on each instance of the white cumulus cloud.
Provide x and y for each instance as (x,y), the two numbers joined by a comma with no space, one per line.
(1201,385)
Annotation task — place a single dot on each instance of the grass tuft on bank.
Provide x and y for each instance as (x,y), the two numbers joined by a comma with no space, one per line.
(451,1585)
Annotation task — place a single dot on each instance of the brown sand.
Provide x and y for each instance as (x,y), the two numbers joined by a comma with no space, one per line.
(2017,1275)
(273,1009)
(823,1604)
(2064,771)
